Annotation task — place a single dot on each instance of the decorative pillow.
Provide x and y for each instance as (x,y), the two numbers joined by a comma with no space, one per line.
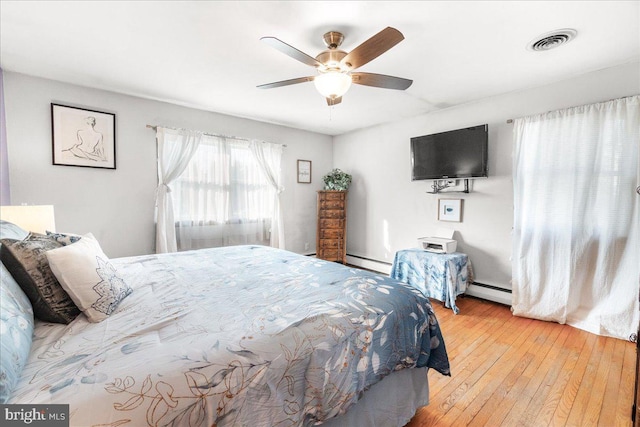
(16,321)
(64,238)
(27,263)
(9,230)
(16,332)
(85,272)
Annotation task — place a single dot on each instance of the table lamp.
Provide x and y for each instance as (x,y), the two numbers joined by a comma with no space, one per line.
(38,219)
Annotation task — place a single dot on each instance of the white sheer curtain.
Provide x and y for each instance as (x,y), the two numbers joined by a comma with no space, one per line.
(176,147)
(576,244)
(269,157)
(223,197)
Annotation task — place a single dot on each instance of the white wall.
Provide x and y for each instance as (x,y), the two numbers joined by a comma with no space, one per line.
(117,206)
(388,212)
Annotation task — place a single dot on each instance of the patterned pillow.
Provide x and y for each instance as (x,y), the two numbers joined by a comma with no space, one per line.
(65,239)
(27,263)
(85,272)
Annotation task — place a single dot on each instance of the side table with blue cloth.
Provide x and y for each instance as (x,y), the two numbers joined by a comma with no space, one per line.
(439,276)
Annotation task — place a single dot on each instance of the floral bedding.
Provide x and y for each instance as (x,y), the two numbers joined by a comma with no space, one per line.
(245,335)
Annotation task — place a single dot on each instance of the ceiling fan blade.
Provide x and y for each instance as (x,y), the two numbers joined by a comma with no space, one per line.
(372,48)
(291,51)
(334,101)
(380,80)
(286,82)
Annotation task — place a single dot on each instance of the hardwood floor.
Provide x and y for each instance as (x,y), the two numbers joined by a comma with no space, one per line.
(512,371)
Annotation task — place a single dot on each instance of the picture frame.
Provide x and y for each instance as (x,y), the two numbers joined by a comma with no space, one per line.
(83,137)
(450,210)
(304,171)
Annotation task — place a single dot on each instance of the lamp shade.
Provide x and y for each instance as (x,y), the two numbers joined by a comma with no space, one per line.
(38,219)
(332,84)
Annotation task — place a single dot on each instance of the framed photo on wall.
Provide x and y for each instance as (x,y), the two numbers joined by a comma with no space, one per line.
(81,137)
(450,210)
(304,171)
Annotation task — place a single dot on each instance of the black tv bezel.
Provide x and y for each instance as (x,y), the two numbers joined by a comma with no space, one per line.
(485,156)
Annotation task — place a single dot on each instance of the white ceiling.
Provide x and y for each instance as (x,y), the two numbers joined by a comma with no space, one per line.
(208,55)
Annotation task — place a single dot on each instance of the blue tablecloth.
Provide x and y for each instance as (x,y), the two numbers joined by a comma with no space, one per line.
(439,276)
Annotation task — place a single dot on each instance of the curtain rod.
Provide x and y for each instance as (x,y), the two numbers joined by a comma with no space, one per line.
(584,105)
(155,127)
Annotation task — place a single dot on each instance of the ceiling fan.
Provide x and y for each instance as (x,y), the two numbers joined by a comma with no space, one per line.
(336,67)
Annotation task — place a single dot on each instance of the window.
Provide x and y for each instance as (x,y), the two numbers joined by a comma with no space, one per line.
(222,198)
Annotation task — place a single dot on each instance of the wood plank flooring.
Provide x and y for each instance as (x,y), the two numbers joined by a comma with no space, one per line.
(512,371)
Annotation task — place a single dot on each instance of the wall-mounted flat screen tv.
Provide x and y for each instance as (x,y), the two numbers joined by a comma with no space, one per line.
(460,153)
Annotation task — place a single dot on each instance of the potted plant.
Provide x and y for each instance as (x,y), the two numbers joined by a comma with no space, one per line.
(337,180)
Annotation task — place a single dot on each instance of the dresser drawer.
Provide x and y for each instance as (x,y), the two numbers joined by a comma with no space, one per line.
(332,195)
(331,204)
(330,243)
(331,223)
(332,213)
(331,233)
(330,254)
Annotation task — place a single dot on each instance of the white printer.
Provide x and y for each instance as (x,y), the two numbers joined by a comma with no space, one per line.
(441,243)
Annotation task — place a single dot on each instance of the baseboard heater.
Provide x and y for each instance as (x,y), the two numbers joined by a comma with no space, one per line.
(477,289)
(490,293)
(370,259)
(495,288)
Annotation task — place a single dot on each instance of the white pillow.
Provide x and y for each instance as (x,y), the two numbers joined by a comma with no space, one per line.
(92,282)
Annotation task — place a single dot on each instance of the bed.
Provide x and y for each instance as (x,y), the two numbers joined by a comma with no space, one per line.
(245,335)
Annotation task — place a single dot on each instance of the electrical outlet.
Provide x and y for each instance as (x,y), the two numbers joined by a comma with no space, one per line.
(306,246)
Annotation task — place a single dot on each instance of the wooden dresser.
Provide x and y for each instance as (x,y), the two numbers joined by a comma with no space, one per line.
(331,237)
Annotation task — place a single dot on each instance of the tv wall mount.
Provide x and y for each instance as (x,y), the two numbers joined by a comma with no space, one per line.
(441,184)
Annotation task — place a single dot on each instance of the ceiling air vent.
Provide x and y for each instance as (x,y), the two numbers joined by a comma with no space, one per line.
(553,39)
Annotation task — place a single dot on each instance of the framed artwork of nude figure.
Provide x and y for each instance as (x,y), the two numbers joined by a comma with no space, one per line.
(83,137)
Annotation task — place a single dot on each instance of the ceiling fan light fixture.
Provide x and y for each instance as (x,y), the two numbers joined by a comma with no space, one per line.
(332,84)
(335,67)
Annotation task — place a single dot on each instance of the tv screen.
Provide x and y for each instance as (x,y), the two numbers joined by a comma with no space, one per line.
(460,153)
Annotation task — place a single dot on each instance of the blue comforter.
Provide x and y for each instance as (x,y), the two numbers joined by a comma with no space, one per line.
(245,335)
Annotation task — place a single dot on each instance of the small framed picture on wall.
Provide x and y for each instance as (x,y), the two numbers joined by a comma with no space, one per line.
(82,137)
(304,171)
(450,210)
